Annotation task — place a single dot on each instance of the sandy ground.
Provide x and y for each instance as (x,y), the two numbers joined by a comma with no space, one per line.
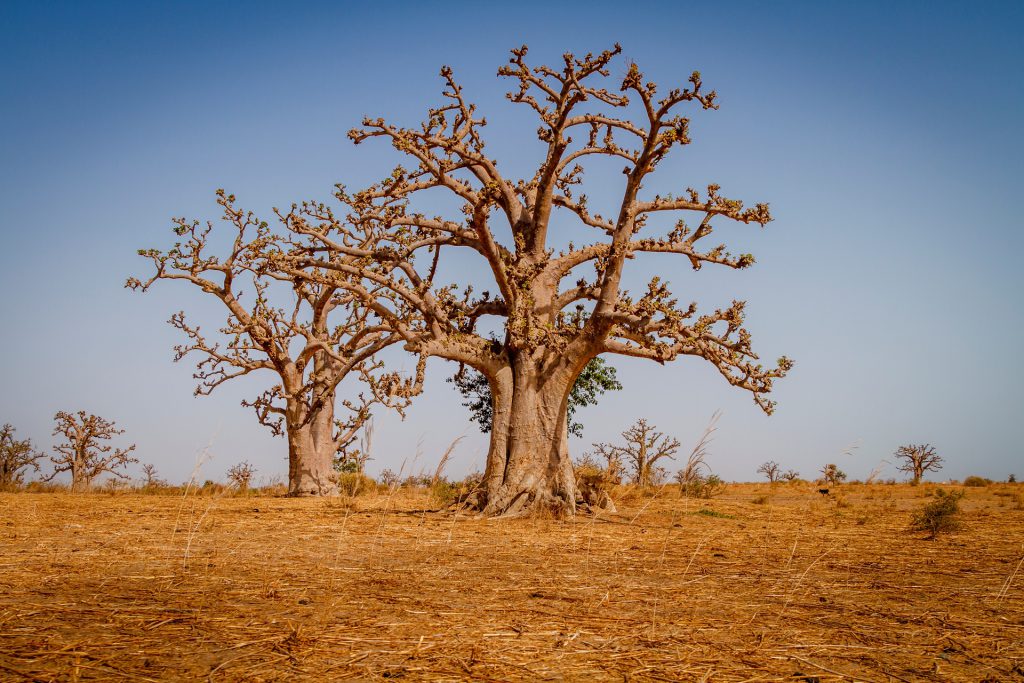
(133,587)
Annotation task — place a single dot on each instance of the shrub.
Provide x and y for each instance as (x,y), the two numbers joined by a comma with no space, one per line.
(702,486)
(355,484)
(445,493)
(939,515)
(595,483)
(44,487)
(707,512)
(977,481)
(761,500)
(1012,479)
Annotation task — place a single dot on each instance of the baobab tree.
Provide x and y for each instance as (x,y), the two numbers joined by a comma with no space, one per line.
(558,304)
(772,470)
(644,447)
(918,459)
(240,475)
(150,478)
(312,343)
(16,457)
(85,452)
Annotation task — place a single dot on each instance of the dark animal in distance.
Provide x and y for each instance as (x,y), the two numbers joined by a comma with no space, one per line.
(823,492)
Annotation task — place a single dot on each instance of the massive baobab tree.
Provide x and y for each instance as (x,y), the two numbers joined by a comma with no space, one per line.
(558,309)
(312,344)
(16,456)
(84,452)
(918,459)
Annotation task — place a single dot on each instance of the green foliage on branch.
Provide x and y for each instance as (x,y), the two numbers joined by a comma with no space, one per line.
(597,378)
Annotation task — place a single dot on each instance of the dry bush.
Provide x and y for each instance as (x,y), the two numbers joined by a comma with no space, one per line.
(45,487)
(700,486)
(974,481)
(211,488)
(356,484)
(240,475)
(939,515)
(445,494)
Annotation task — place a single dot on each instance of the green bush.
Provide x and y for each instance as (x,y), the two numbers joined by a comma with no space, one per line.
(939,515)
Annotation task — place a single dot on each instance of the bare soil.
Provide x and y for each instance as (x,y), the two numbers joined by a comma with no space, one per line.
(798,587)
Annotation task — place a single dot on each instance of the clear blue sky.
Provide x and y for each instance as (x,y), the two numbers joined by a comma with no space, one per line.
(886,136)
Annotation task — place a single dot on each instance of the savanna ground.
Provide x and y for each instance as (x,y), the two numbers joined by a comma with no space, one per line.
(798,587)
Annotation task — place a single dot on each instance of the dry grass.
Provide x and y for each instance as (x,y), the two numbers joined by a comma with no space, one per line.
(129,587)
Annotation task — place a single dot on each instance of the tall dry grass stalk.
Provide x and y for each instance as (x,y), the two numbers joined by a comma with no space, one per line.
(696,461)
(875,472)
(443,462)
(1009,581)
(201,458)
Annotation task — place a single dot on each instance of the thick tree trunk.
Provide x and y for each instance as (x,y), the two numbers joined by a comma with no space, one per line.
(528,465)
(311,451)
(79,484)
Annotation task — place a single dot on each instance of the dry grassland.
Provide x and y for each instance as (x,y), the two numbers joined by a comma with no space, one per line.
(132,587)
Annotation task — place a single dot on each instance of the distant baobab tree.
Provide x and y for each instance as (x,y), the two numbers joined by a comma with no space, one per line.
(85,452)
(772,470)
(558,304)
(312,342)
(150,478)
(240,475)
(644,447)
(16,457)
(918,459)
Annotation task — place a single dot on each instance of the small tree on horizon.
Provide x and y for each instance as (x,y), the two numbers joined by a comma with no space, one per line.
(790,475)
(240,475)
(770,469)
(832,475)
(84,452)
(16,456)
(644,447)
(918,459)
